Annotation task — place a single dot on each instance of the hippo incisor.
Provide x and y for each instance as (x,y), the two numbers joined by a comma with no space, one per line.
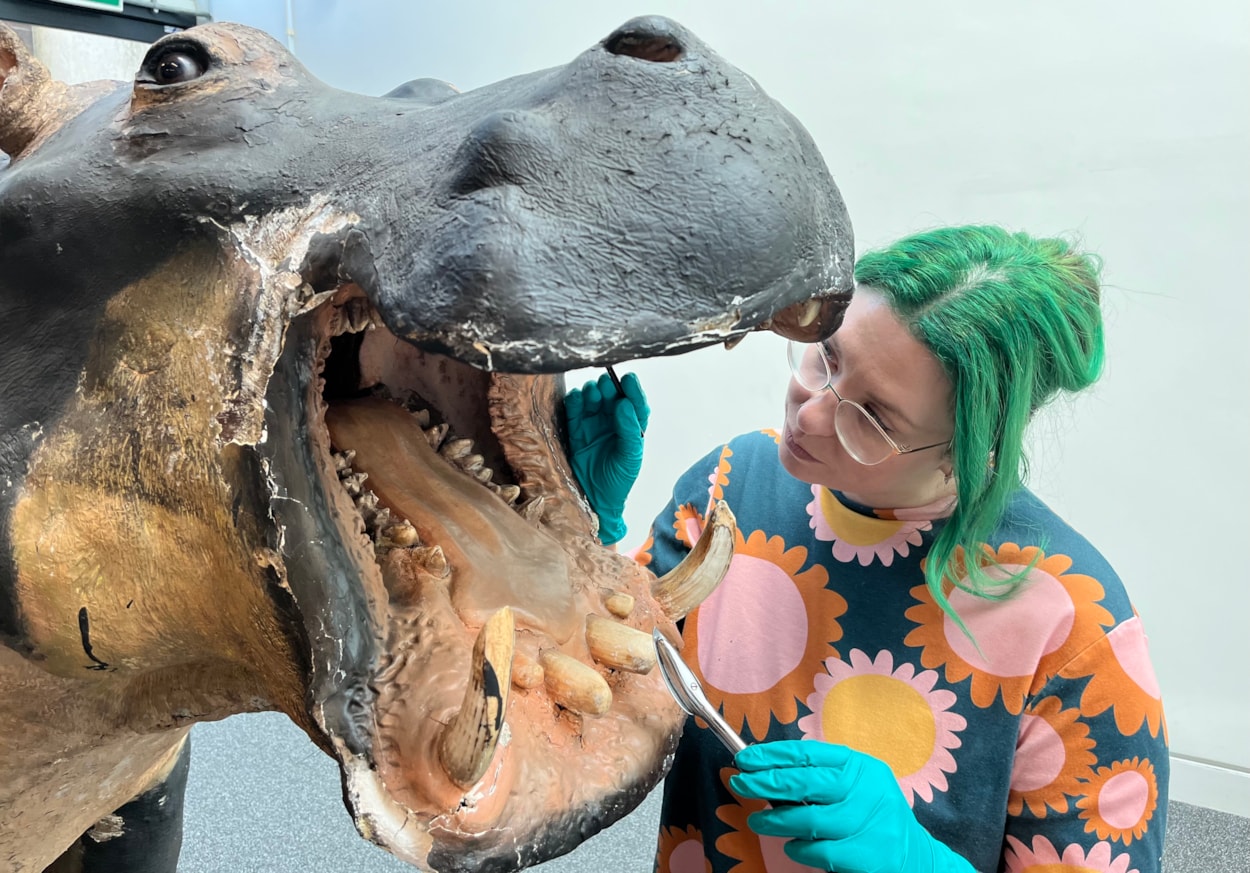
(280,425)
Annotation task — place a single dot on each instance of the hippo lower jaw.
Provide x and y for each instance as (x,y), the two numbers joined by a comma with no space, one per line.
(500,704)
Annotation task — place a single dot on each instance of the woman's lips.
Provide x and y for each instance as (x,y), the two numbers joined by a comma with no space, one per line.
(794,448)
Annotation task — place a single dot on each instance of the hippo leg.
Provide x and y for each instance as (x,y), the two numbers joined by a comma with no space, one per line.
(143,836)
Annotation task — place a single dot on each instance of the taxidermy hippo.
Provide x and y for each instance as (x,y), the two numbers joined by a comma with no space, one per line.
(280,426)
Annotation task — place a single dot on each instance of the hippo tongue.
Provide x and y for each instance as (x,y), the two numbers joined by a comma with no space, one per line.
(497,558)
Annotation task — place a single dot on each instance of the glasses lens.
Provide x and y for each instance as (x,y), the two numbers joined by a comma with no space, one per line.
(808,365)
(859,434)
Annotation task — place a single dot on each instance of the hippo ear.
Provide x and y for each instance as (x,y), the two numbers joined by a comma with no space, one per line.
(26,94)
(426,92)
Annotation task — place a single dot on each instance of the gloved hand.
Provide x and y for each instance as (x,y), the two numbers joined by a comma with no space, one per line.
(841,809)
(605,446)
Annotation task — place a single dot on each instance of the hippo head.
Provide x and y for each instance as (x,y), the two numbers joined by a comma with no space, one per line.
(280,420)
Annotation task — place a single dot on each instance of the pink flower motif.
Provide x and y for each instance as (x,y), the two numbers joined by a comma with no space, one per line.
(1042,854)
(861,537)
(894,715)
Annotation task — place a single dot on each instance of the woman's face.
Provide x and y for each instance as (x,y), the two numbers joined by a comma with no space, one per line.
(877,363)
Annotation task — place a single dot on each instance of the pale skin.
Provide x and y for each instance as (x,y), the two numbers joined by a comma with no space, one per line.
(880,365)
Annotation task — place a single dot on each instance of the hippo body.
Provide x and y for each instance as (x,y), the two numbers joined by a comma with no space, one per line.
(279,425)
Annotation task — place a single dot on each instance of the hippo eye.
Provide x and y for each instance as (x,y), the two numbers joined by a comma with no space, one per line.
(174,65)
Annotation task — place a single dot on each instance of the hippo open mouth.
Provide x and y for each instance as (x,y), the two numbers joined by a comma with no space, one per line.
(507,636)
(295,443)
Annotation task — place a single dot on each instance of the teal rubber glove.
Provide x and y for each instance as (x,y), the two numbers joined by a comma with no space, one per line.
(605,432)
(842,810)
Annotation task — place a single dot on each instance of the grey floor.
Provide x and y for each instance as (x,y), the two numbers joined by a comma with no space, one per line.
(263,799)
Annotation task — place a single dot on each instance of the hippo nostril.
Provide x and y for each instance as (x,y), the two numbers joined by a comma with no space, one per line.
(647,40)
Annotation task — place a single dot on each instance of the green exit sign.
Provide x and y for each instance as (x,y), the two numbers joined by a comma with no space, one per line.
(105,5)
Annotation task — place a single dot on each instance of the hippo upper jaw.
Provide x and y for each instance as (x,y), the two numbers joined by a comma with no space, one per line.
(647,198)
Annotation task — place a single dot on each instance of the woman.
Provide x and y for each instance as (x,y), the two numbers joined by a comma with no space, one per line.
(934,671)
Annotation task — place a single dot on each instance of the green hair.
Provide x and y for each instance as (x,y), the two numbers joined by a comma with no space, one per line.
(1013,320)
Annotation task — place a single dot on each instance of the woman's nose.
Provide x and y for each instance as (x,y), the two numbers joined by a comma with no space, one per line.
(816,412)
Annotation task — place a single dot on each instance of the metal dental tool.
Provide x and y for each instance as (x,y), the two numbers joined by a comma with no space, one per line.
(686,690)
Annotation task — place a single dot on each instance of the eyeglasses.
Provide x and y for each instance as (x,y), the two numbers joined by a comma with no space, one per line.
(858,430)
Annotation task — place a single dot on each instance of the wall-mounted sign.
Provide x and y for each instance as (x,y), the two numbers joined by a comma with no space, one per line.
(104,5)
(135,20)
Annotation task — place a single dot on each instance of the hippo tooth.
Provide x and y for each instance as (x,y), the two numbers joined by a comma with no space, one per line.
(436,434)
(354,482)
(483,475)
(422,416)
(357,314)
(343,461)
(532,510)
(809,313)
(456,449)
(574,685)
(381,518)
(367,506)
(401,534)
(689,583)
(733,341)
(468,741)
(619,646)
(433,559)
(510,493)
(619,604)
(526,672)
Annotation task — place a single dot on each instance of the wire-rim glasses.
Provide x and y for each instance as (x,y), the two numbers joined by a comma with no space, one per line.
(858,430)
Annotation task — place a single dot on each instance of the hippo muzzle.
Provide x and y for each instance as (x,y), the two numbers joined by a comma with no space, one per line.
(296,428)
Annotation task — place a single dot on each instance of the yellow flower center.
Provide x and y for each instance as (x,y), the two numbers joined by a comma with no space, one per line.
(853,528)
(901,732)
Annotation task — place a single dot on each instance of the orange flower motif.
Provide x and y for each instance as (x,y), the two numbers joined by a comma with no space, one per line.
(1122,679)
(758,662)
(688,523)
(681,851)
(752,852)
(720,476)
(1053,759)
(641,554)
(772,433)
(1021,642)
(1120,800)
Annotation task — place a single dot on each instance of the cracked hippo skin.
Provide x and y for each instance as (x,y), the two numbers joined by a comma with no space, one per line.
(280,425)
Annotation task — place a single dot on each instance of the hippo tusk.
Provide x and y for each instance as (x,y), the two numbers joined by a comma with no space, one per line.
(469,740)
(688,584)
(574,685)
(619,646)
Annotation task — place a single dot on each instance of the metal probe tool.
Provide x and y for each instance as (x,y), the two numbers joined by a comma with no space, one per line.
(686,690)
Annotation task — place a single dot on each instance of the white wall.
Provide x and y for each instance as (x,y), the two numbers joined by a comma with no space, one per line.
(1126,123)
